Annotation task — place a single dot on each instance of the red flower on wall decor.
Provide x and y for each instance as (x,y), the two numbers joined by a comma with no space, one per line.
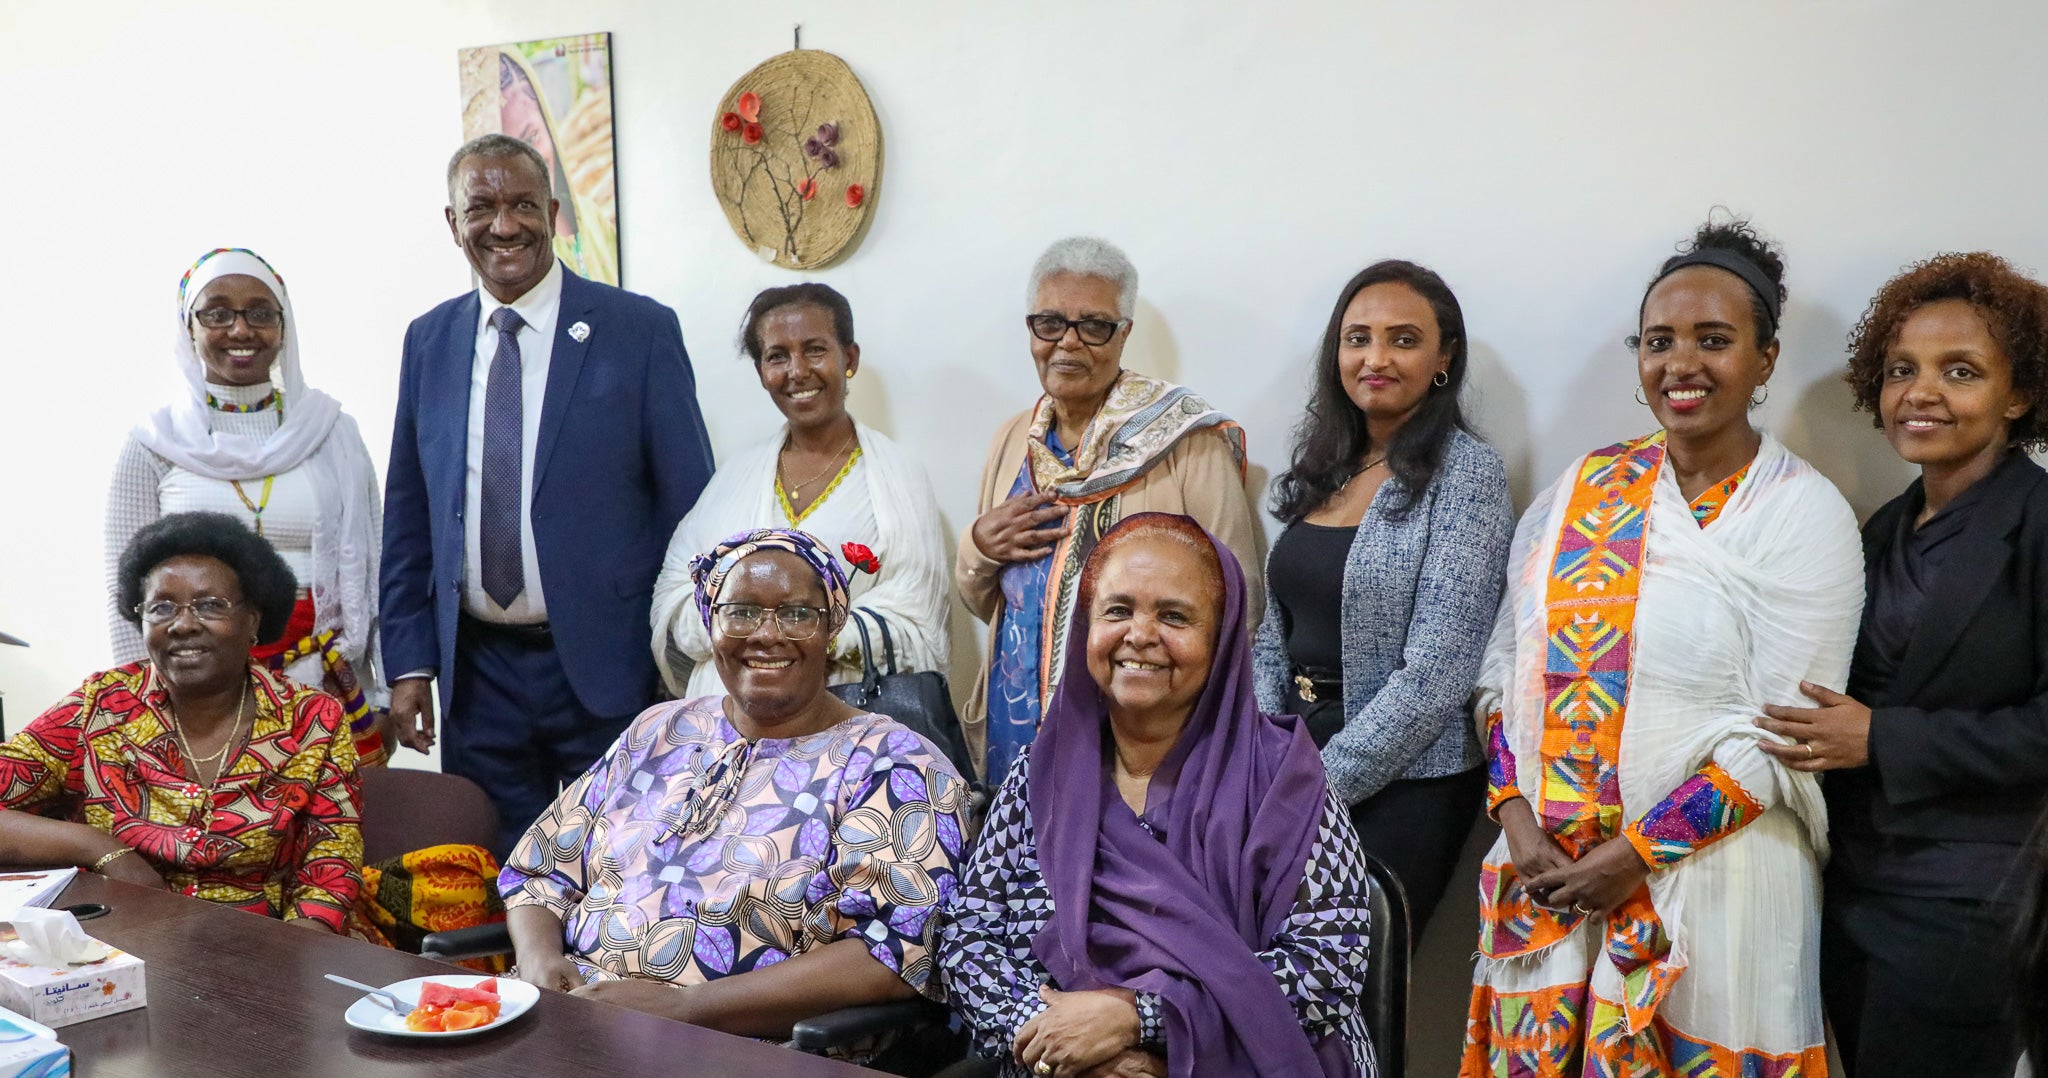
(751,133)
(750,107)
(808,188)
(730,121)
(861,558)
(854,193)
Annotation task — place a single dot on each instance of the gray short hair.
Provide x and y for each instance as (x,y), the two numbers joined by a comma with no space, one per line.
(496,145)
(1087,256)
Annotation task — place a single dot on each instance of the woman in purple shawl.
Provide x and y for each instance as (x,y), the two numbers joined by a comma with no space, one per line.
(1180,895)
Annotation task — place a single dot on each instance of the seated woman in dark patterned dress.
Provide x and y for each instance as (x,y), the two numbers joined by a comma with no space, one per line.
(1164,883)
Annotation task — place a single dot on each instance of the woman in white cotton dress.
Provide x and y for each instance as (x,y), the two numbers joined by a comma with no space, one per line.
(250,439)
(1652,908)
(824,473)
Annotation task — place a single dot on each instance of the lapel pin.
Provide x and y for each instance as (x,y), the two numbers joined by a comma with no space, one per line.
(579,332)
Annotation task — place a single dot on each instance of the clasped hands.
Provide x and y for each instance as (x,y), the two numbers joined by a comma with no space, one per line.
(1091,1034)
(1603,877)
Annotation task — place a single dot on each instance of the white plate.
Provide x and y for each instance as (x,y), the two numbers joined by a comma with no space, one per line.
(514,999)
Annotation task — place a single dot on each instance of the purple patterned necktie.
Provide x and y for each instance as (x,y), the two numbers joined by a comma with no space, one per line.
(498,504)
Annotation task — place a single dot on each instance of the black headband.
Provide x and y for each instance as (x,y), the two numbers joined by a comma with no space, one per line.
(1721,258)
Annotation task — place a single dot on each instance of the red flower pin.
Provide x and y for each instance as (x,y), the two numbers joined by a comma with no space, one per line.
(730,121)
(854,193)
(751,133)
(808,188)
(861,558)
(750,107)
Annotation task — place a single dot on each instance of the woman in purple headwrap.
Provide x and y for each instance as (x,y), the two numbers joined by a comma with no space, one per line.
(1164,885)
(746,860)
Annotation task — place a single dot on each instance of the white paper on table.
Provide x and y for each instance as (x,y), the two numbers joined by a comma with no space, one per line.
(39,888)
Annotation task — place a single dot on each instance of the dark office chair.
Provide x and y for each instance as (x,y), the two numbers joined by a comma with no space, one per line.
(405,809)
(1385,999)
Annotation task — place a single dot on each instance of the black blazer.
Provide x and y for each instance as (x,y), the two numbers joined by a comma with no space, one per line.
(1959,740)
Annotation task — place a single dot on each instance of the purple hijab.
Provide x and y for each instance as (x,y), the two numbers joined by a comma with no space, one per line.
(1239,801)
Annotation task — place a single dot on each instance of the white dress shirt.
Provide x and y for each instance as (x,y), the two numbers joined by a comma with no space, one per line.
(540,307)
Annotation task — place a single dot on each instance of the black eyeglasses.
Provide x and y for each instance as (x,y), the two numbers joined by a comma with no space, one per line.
(205,608)
(1051,327)
(223,317)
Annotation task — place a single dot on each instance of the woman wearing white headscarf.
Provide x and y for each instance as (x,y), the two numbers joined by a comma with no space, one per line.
(251,439)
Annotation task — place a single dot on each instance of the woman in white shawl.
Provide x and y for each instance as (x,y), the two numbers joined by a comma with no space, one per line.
(829,475)
(249,438)
(1652,907)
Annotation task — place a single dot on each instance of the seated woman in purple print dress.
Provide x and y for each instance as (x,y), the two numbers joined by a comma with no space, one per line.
(1164,885)
(746,861)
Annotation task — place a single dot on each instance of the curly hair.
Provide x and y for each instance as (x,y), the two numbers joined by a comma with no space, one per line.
(1331,440)
(267,582)
(1736,236)
(2014,308)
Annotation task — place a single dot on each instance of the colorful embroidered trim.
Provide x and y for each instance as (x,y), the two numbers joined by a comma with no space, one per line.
(186,280)
(220,405)
(1502,782)
(1710,502)
(789,512)
(1524,1034)
(1705,809)
(1589,617)
(341,683)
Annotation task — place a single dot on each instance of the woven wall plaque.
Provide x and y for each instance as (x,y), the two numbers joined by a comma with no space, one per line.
(796,152)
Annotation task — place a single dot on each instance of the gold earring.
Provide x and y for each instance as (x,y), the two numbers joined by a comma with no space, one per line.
(850,374)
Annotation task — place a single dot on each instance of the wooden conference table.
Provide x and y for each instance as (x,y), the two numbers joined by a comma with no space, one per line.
(232,994)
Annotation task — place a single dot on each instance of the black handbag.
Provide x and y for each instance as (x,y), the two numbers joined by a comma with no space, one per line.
(919,699)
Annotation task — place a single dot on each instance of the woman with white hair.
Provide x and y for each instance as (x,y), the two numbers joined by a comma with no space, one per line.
(250,439)
(1101,443)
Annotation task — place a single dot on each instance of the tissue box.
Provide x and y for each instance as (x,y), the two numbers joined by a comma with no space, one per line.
(30,1049)
(61,996)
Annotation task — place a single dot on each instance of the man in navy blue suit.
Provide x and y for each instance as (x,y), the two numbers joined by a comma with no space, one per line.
(547,442)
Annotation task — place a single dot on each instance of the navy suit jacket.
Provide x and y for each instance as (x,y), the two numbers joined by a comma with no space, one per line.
(621,456)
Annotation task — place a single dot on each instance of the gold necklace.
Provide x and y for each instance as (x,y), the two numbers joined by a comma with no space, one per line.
(219,759)
(797,492)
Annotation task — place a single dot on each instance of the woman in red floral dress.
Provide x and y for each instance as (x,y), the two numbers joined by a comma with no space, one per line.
(196,769)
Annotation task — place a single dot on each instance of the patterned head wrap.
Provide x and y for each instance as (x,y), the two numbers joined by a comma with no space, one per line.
(708,571)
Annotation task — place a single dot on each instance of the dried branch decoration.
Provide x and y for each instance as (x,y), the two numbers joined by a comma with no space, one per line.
(796,127)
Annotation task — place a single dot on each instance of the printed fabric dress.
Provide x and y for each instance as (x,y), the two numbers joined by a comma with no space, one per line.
(280,834)
(690,853)
(992,976)
(1640,638)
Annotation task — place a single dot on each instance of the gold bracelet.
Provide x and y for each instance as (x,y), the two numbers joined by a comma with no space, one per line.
(109,858)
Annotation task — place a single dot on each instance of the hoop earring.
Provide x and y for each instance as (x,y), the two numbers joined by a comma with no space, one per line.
(1639,397)
(1754,402)
(1443,378)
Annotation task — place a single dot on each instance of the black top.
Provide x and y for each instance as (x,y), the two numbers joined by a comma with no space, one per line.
(1898,583)
(1307,571)
(1953,662)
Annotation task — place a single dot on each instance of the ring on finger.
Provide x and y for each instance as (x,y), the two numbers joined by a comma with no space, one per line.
(1809,749)
(1041,1068)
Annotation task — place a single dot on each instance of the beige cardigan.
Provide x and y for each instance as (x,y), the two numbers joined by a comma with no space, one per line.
(1199,477)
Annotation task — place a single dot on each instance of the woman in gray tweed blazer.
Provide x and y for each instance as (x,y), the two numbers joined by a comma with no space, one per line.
(1383,585)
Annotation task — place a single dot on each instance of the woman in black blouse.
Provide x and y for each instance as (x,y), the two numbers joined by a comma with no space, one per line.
(1941,743)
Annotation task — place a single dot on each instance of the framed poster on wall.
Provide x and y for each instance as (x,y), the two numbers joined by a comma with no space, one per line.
(556,95)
